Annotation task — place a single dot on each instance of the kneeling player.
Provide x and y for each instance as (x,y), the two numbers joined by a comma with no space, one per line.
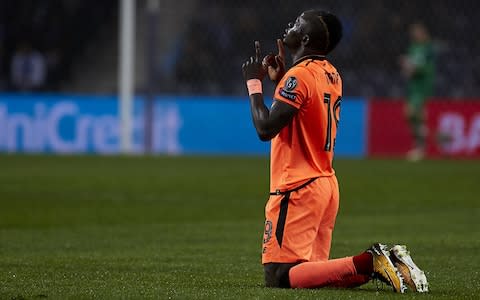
(302,124)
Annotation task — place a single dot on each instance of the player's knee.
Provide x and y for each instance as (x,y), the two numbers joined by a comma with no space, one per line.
(276,275)
(415,118)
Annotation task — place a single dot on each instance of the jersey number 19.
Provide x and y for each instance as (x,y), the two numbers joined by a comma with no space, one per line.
(331,114)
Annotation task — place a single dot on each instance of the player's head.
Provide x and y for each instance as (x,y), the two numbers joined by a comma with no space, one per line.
(316,30)
(419,33)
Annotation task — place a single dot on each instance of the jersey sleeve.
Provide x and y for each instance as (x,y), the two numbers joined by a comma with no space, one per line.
(293,89)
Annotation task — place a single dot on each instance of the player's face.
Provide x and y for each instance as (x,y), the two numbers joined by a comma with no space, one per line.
(418,33)
(292,37)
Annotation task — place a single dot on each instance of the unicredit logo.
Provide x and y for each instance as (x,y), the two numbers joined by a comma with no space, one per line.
(62,127)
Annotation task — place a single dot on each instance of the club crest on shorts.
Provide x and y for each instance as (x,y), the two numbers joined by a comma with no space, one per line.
(268,231)
(290,84)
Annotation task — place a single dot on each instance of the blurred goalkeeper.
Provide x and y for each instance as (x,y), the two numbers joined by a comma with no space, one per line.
(418,67)
(302,126)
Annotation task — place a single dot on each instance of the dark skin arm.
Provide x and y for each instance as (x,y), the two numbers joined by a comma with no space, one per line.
(268,122)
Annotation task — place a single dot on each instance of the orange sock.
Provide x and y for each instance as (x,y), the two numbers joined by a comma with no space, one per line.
(319,274)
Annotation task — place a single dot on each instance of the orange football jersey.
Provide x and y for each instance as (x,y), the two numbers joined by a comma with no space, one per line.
(304,148)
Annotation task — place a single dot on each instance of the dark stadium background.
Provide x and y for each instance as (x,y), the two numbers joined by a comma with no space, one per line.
(199,45)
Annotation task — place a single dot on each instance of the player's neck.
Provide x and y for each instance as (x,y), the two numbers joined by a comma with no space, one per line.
(302,53)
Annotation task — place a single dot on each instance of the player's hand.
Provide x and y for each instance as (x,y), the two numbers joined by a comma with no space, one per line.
(253,68)
(275,64)
(407,67)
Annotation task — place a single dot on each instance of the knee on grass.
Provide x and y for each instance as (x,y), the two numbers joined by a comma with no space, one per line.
(276,274)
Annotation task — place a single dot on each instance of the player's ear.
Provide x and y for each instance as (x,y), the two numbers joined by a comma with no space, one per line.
(305,39)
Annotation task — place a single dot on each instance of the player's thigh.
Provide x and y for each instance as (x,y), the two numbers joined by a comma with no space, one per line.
(323,240)
(414,106)
(292,223)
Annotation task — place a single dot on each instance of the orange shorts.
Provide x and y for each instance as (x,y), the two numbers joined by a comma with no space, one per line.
(299,224)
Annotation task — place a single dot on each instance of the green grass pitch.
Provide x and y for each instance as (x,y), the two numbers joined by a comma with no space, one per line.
(190,227)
